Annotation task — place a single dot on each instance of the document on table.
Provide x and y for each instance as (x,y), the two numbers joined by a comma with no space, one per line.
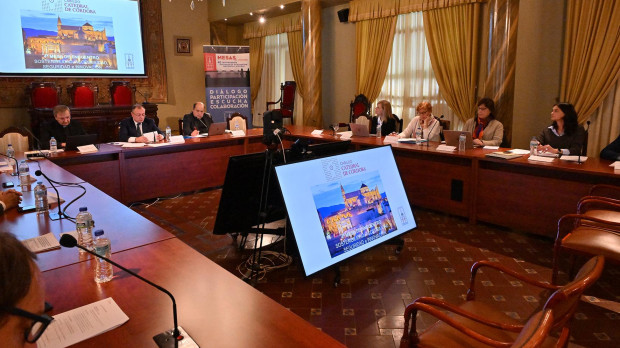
(574,158)
(87,148)
(133,144)
(541,159)
(82,323)
(390,139)
(317,132)
(42,243)
(446,148)
(519,151)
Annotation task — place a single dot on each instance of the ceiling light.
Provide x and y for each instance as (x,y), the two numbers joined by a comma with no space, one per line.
(282,7)
(251,13)
(261,19)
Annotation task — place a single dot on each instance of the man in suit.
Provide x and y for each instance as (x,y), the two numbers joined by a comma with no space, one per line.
(612,151)
(9,199)
(134,128)
(197,121)
(60,128)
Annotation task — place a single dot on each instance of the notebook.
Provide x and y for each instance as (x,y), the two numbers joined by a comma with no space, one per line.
(359,130)
(217,128)
(73,141)
(452,138)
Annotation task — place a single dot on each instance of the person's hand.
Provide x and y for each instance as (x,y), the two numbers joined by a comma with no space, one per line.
(63,144)
(195,132)
(142,139)
(11,198)
(547,148)
(478,142)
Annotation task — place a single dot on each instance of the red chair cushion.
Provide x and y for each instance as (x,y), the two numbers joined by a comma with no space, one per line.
(45,97)
(121,96)
(83,97)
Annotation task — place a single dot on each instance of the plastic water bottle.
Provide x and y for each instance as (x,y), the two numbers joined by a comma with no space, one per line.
(379,130)
(168,134)
(40,199)
(103,270)
(53,145)
(84,226)
(10,152)
(418,135)
(24,176)
(462,139)
(533,147)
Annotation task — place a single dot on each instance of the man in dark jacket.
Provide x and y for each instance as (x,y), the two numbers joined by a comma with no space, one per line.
(138,128)
(60,128)
(197,121)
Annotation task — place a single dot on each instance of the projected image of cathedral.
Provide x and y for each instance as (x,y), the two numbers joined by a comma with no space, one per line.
(355,217)
(68,46)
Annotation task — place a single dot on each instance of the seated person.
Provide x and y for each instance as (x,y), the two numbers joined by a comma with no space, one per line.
(9,199)
(133,127)
(484,128)
(385,117)
(60,128)
(612,151)
(564,136)
(197,121)
(425,121)
(21,294)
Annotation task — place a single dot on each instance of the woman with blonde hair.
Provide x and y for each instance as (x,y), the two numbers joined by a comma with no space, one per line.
(384,117)
(425,122)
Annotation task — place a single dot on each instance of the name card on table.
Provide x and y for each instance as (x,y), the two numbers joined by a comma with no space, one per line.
(317,132)
(345,135)
(446,148)
(574,158)
(87,148)
(541,159)
(390,139)
(237,133)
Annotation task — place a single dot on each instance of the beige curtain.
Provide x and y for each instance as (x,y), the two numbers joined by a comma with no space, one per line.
(296,52)
(605,126)
(591,63)
(361,10)
(257,51)
(274,26)
(452,35)
(373,51)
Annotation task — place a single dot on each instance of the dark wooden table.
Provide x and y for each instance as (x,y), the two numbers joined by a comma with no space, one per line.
(214,307)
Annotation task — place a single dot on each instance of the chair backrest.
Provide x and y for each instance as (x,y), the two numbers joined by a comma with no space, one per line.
(359,106)
(288,95)
(17,137)
(83,94)
(399,123)
(564,301)
(237,121)
(122,93)
(43,94)
(363,119)
(535,331)
(181,125)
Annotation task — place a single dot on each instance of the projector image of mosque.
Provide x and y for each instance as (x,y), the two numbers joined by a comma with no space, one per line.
(73,47)
(364,216)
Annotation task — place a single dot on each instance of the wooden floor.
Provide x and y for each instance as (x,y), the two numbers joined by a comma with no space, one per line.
(366,309)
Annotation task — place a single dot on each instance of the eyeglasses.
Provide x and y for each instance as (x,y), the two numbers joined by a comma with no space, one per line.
(39,324)
(139,115)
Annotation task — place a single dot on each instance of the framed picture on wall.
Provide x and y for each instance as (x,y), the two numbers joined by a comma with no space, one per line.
(183,46)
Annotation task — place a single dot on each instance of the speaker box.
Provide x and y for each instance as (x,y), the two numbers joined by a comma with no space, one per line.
(343,15)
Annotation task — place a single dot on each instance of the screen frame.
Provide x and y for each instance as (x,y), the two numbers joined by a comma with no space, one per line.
(143,75)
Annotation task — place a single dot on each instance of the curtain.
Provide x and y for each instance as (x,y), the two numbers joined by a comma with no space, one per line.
(410,78)
(591,63)
(452,36)
(274,26)
(361,10)
(605,126)
(373,50)
(296,52)
(257,50)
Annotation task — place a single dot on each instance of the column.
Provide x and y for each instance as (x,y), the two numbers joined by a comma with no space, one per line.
(311,22)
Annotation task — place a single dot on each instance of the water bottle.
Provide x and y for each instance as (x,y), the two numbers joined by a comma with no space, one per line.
(168,134)
(418,135)
(40,199)
(84,226)
(10,152)
(462,139)
(53,145)
(103,269)
(533,147)
(379,130)
(24,176)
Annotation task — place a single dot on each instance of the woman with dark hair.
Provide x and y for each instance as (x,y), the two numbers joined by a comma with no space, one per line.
(564,136)
(484,128)
(384,117)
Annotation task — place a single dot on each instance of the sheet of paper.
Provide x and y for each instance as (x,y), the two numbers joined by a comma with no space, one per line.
(317,132)
(134,144)
(238,133)
(52,198)
(345,135)
(489,147)
(82,323)
(390,139)
(446,148)
(541,159)
(519,151)
(407,140)
(616,165)
(87,148)
(574,158)
(151,135)
(159,144)
(42,243)
(177,139)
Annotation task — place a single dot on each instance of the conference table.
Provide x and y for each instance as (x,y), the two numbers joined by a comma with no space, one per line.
(516,193)
(214,307)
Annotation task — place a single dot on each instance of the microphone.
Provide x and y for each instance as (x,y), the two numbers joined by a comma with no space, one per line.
(60,214)
(68,241)
(428,139)
(200,119)
(143,95)
(16,167)
(581,147)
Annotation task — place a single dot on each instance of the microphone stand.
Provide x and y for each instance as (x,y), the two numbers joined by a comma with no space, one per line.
(428,138)
(35,138)
(581,147)
(69,241)
(60,214)
(16,168)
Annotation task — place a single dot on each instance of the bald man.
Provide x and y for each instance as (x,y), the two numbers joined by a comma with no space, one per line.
(197,121)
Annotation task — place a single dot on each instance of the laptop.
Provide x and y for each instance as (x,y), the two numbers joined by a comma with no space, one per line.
(217,128)
(73,141)
(359,130)
(452,138)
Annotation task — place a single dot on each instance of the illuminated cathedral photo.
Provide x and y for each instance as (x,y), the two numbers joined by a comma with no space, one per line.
(353,212)
(52,42)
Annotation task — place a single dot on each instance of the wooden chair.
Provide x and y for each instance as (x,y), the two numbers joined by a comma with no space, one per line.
(237,121)
(83,94)
(19,138)
(475,324)
(181,125)
(360,106)
(122,93)
(365,120)
(43,95)
(579,234)
(287,100)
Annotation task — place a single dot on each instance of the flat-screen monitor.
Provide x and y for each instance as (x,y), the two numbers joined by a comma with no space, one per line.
(341,205)
(71,38)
